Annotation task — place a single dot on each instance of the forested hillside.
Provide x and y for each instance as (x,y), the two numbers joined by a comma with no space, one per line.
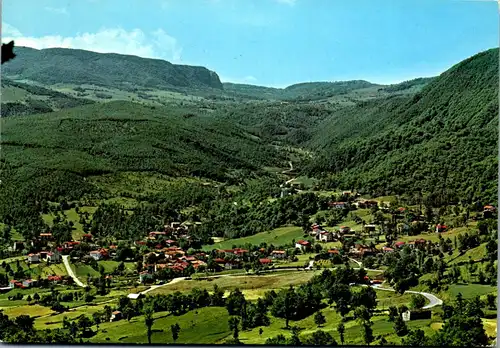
(443,140)
(69,66)
(24,99)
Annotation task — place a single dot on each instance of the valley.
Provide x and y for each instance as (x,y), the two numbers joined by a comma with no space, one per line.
(161,205)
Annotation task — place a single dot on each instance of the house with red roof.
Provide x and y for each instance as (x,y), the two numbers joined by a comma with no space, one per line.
(399,244)
(29,283)
(333,251)
(441,228)
(278,254)
(265,261)
(303,245)
(54,279)
(34,258)
(387,249)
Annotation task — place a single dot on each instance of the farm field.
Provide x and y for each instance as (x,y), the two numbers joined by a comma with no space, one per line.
(279,236)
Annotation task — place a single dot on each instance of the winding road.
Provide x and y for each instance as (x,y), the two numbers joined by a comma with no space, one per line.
(70,271)
(433,300)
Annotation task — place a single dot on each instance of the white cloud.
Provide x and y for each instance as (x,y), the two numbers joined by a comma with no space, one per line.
(287,2)
(157,44)
(245,80)
(58,10)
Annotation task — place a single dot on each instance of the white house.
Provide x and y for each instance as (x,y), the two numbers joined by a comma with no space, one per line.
(34,258)
(29,283)
(302,245)
(325,236)
(53,256)
(96,255)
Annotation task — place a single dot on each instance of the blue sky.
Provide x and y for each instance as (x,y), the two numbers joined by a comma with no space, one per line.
(268,42)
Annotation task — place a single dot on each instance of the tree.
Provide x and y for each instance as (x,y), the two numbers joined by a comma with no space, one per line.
(96,316)
(29,299)
(284,305)
(233,326)
(400,326)
(294,340)
(368,332)
(417,301)
(261,331)
(84,323)
(235,302)
(320,338)
(341,331)
(319,318)
(175,331)
(416,338)
(148,320)
(491,301)
(393,313)
(25,322)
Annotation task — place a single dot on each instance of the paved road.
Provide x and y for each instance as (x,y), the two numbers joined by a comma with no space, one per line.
(433,300)
(70,271)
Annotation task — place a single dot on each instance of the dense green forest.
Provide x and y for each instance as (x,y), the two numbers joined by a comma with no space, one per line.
(444,138)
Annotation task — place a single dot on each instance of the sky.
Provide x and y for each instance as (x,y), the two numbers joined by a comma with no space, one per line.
(268,42)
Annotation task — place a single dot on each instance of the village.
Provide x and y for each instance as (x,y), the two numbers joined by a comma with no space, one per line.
(161,258)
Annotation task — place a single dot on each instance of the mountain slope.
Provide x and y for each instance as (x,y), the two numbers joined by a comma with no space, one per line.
(443,139)
(70,66)
(124,136)
(23,99)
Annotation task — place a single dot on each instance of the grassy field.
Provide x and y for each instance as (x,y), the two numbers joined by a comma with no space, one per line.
(202,326)
(110,266)
(279,236)
(71,215)
(474,254)
(83,271)
(469,290)
(244,282)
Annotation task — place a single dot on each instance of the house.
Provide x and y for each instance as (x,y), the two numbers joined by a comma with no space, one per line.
(416,315)
(420,242)
(333,251)
(303,245)
(145,276)
(46,236)
(411,244)
(338,205)
(488,211)
(115,316)
(278,254)
(344,229)
(369,228)
(226,264)
(96,255)
(34,258)
(28,283)
(387,249)
(12,283)
(399,244)
(53,256)
(325,236)
(54,279)
(441,228)
(265,261)
(18,246)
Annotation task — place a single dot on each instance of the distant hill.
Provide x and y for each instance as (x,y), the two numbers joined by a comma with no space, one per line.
(352,91)
(70,66)
(443,139)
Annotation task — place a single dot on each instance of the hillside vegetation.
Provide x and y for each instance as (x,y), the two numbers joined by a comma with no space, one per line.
(443,138)
(60,65)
